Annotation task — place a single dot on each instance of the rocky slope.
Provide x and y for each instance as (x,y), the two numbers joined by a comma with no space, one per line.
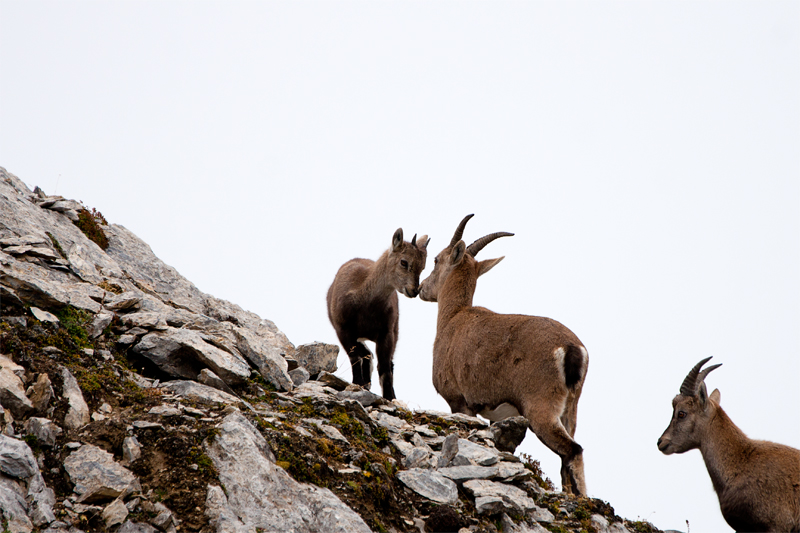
(130,401)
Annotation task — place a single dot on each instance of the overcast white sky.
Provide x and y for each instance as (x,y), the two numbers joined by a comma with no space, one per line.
(645,154)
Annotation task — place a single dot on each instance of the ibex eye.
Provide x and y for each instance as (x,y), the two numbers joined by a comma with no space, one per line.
(681,414)
(404,263)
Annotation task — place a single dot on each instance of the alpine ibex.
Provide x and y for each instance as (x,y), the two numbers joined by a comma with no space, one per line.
(362,305)
(501,365)
(757,482)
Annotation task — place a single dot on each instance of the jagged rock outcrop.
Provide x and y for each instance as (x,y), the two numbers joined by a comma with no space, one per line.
(132,402)
(48,262)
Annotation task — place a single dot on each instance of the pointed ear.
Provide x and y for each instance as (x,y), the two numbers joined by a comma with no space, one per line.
(457,254)
(715,396)
(422,243)
(397,239)
(702,395)
(487,265)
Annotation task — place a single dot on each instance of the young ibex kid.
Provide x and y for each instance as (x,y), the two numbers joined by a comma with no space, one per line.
(362,305)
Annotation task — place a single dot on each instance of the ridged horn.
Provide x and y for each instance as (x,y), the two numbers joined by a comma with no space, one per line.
(478,245)
(414,240)
(695,377)
(460,230)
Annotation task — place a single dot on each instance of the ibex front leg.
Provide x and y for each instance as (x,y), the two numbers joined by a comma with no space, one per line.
(385,348)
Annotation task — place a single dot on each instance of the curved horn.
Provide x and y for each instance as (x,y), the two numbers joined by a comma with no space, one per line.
(460,230)
(414,240)
(690,383)
(478,245)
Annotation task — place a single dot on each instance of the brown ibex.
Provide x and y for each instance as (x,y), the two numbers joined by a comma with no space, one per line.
(757,482)
(501,365)
(362,305)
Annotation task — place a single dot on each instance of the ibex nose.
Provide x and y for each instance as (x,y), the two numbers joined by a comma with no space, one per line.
(412,293)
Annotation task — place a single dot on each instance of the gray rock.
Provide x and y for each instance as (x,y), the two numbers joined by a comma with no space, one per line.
(40,393)
(459,474)
(509,433)
(207,377)
(333,381)
(391,423)
(401,444)
(418,458)
(492,497)
(145,320)
(523,527)
(97,477)
(100,322)
(165,411)
(471,453)
(430,484)
(183,352)
(115,513)
(316,391)
(449,450)
(15,320)
(299,375)
(329,431)
(262,495)
(136,527)
(45,430)
(602,526)
(16,458)
(363,396)
(219,513)
(13,507)
(317,357)
(164,519)
(131,450)
(198,392)
(78,412)
(264,348)
(512,471)
(41,501)
(44,316)
(12,390)
(125,302)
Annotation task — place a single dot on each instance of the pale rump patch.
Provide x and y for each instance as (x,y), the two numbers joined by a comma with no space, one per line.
(559,354)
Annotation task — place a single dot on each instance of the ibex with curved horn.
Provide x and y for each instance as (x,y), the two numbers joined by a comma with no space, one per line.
(757,482)
(362,305)
(502,365)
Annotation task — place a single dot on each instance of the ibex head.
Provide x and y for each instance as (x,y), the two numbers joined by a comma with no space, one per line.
(452,256)
(691,411)
(406,262)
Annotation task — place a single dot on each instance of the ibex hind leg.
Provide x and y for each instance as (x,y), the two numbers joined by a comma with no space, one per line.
(361,363)
(553,435)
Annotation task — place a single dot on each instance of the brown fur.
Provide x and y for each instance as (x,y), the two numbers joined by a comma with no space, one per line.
(757,482)
(483,359)
(362,304)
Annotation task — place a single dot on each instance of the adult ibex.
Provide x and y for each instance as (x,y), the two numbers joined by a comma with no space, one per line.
(757,482)
(502,365)
(362,305)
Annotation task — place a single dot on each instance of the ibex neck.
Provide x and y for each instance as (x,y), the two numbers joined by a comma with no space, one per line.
(377,283)
(723,447)
(456,294)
